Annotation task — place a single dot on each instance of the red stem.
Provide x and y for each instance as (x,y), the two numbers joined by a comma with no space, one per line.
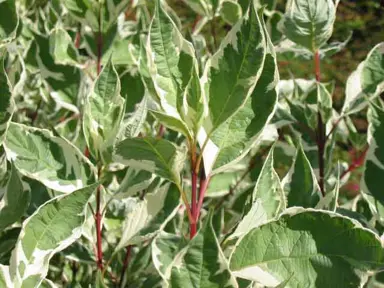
(321,137)
(78,39)
(204,181)
(125,264)
(99,51)
(356,163)
(161,132)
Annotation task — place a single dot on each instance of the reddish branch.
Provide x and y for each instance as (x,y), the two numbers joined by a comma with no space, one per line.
(197,199)
(356,163)
(125,264)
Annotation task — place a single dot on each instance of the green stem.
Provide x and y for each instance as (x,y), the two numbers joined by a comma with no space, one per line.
(321,137)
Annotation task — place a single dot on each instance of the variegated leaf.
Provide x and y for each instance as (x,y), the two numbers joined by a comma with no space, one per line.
(52,160)
(374,160)
(15,202)
(295,246)
(9,21)
(149,216)
(233,139)
(134,181)
(63,80)
(366,82)
(132,125)
(300,184)
(230,11)
(235,69)
(62,48)
(5,278)
(202,262)
(309,22)
(103,113)
(52,228)
(173,71)
(165,248)
(7,103)
(157,156)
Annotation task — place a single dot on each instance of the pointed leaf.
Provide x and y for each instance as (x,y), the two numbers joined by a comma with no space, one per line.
(269,190)
(374,160)
(231,141)
(9,21)
(157,156)
(202,263)
(297,246)
(367,81)
(133,124)
(149,216)
(52,160)
(63,80)
(324,102)
(235,69)
(103,112)
(171,64)
(134,181)
(15,202)
(300,184)
(165,248)
(52,228)
(309,22)
(7,103)
(62,48)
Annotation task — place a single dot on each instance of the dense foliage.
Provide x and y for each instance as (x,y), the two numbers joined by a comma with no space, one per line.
(139,148)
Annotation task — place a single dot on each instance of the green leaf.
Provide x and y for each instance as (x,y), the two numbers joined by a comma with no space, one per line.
(157,156)
(7,105)
(149,216)
(103,113)
(133,91)
(201,7)
(324,102)
(15,201)
(230,11)
(314,248)
(133,123)
(173,70)
(9,21)
(62,49)
(366,82)
(269,190)
(300,184)
(52,228)
(309,22)
(202,262)
(172,123)
(134,181)
(231,141)
(220,184)
(255,217)
(5,279)
(38,154)
(165,248)
(63,80)
(374,160)
(235,69)
(88,11)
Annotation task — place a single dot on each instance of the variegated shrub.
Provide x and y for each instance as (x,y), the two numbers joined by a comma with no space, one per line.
(147,145)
